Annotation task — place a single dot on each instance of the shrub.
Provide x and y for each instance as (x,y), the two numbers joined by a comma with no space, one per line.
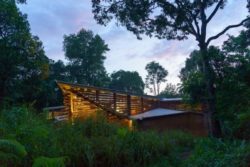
(50,162)
(95,142)
(218,153)
(32,131)
(11,152)
(243,129)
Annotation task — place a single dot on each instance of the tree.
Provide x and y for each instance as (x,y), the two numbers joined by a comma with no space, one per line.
(231,73)
(129,81)
(85,52)
(33,71)
(23,64)
(193,81)
(170,20)
(57,71)
(156,75)
(170,91)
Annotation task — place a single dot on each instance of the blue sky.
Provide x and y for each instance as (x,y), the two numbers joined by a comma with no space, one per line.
(51,19)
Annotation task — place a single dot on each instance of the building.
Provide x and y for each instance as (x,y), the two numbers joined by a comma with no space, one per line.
(146,112)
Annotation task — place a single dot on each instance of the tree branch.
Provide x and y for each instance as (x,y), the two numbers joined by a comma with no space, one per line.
(225,30)
(215,11)
(196,24)
(191,29)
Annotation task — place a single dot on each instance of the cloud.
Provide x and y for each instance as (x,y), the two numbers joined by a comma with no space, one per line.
(51,19)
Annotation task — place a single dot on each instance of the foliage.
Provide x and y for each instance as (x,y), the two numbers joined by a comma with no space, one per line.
(32,131)
(218,153)
(193,80)
(127,81)
(170,91)
(49,162)
(156,75)
(58,71)
(243,127)
(97,142)
(163,19)
(230,72)
(85,52)
(23,64)
(11,152)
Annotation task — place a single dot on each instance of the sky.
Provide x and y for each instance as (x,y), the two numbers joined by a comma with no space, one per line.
(50,20)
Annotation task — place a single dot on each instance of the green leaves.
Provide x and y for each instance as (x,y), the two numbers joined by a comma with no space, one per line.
(218,153)
(170,91)
(49,162)
(162,19)
(156,75)
(23,64)
(127,81)
(85,51)
(230,71)
(11,152)
(97,142)
(13,147)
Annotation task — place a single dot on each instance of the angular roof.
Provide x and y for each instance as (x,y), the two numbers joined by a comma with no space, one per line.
(106,89)
(118,91)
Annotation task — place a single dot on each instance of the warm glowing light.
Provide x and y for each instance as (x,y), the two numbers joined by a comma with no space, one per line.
(130,124)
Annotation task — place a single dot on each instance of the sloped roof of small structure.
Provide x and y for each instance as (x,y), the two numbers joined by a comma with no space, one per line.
(171,99)
(156,113)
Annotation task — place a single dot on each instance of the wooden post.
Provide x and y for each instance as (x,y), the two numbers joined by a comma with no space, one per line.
(129,104)
(142,105)
(114,100)
(97,92)
(71,103)
(71,107)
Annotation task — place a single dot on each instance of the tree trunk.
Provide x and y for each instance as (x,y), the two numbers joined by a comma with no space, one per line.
(158,88)
(213,126)
(154,87)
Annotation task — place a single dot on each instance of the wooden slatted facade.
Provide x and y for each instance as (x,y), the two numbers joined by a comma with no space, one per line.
(82,101)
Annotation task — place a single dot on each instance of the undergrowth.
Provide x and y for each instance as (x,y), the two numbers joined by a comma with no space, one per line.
(28,139)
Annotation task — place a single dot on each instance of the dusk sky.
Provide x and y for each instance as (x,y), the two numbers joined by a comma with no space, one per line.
(51,19)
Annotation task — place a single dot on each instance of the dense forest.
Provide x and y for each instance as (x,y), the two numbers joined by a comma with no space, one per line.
(216,76)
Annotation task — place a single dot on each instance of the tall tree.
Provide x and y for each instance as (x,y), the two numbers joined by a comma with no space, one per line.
(23,64)
(129,81)
(175,19)
(231,73)
(193,81)
(234,89)
(156,75)
(85,52)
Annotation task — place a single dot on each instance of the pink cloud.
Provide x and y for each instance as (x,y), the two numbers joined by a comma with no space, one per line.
(51,19)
